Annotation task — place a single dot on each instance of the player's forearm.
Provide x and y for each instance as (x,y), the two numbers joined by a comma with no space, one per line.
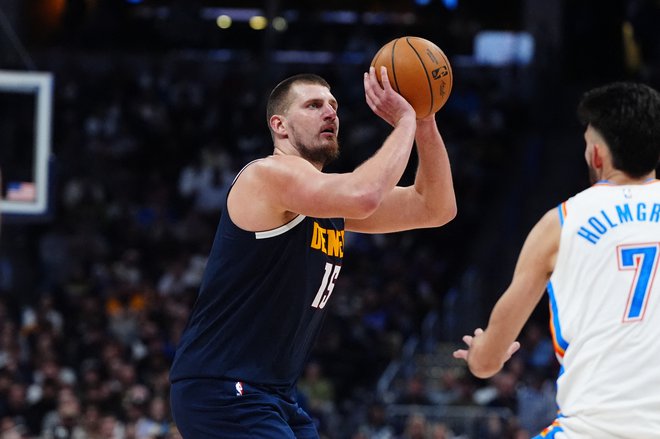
(377,176)
(434,179)
(489,351)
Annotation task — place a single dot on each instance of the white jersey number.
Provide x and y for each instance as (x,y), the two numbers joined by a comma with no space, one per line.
(327,285)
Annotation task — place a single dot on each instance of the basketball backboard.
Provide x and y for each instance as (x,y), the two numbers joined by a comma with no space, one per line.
(25,141)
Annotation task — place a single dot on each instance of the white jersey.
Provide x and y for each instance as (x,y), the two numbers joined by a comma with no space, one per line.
(605,313)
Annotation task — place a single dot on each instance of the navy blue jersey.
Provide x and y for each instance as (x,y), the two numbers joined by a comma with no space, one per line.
(261,303)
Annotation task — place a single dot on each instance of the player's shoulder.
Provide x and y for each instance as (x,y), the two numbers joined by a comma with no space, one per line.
(592,195)
(278,163)
(549,221)
(594,191)
(274,173)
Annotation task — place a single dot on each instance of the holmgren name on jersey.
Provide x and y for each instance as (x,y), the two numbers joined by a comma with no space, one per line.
(619,214)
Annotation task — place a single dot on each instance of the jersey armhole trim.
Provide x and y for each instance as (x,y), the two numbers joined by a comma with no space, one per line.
(561,209)
(280,230)
(560,344)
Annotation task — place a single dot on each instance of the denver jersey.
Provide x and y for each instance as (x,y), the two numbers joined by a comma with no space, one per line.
(605,313)
(261,302)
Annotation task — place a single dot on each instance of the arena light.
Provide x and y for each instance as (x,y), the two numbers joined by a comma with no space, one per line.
(387,18)
(238,15)
(223,21)
(503,48)
(258,22)
(280,24)
(339,17)
(303,56)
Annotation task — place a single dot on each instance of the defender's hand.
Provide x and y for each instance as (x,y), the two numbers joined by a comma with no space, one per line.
(468,339)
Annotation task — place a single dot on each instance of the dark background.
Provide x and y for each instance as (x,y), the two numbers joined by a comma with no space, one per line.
(149,92)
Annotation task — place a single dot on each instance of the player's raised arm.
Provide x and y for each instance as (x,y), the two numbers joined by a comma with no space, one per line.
(425,80)
(429,202)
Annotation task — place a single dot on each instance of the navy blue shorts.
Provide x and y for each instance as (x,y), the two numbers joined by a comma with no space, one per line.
(210,409)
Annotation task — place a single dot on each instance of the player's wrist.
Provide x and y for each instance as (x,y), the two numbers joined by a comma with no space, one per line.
(407,118)
(430,119)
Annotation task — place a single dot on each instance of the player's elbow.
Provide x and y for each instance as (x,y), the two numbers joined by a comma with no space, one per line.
(365,202)
(483,369)
(447,213)
(442,213)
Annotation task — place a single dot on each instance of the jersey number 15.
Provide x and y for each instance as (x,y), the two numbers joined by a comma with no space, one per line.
(327,285)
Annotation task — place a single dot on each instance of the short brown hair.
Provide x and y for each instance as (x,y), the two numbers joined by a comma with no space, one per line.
(279,99)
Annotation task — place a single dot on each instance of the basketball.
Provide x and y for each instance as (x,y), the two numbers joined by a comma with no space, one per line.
(418,70)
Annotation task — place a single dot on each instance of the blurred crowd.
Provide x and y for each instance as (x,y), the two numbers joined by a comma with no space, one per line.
(93,298)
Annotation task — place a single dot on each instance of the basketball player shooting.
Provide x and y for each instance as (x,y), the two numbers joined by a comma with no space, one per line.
(278,252)
(597,255)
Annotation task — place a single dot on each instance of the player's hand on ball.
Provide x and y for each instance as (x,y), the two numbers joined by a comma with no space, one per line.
(384,101)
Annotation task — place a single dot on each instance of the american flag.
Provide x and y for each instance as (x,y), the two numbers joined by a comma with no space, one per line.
(21,191)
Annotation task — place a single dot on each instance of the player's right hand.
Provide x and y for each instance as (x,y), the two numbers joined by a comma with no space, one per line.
(385,101)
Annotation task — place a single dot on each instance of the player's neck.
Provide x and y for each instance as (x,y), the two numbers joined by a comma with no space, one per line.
(621,178)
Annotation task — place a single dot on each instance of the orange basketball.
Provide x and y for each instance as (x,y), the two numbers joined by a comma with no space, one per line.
(418,70)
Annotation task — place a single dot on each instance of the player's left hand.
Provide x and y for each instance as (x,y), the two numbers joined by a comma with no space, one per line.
(468,339)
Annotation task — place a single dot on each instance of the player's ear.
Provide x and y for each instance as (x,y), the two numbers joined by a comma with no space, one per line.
(277,125)
(598,154)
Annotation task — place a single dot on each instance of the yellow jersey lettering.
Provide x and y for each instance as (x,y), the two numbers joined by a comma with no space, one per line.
(317,236)
(336,243)
(330,242)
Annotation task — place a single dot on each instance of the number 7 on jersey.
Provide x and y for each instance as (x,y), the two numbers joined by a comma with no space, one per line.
(643,258)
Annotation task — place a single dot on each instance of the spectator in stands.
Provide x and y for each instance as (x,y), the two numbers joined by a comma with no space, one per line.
(64,421)
(417,427)
(376,425)
(415,392)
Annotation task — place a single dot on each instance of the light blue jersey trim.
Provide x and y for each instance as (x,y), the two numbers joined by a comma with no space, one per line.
(561,215)
(559,338)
